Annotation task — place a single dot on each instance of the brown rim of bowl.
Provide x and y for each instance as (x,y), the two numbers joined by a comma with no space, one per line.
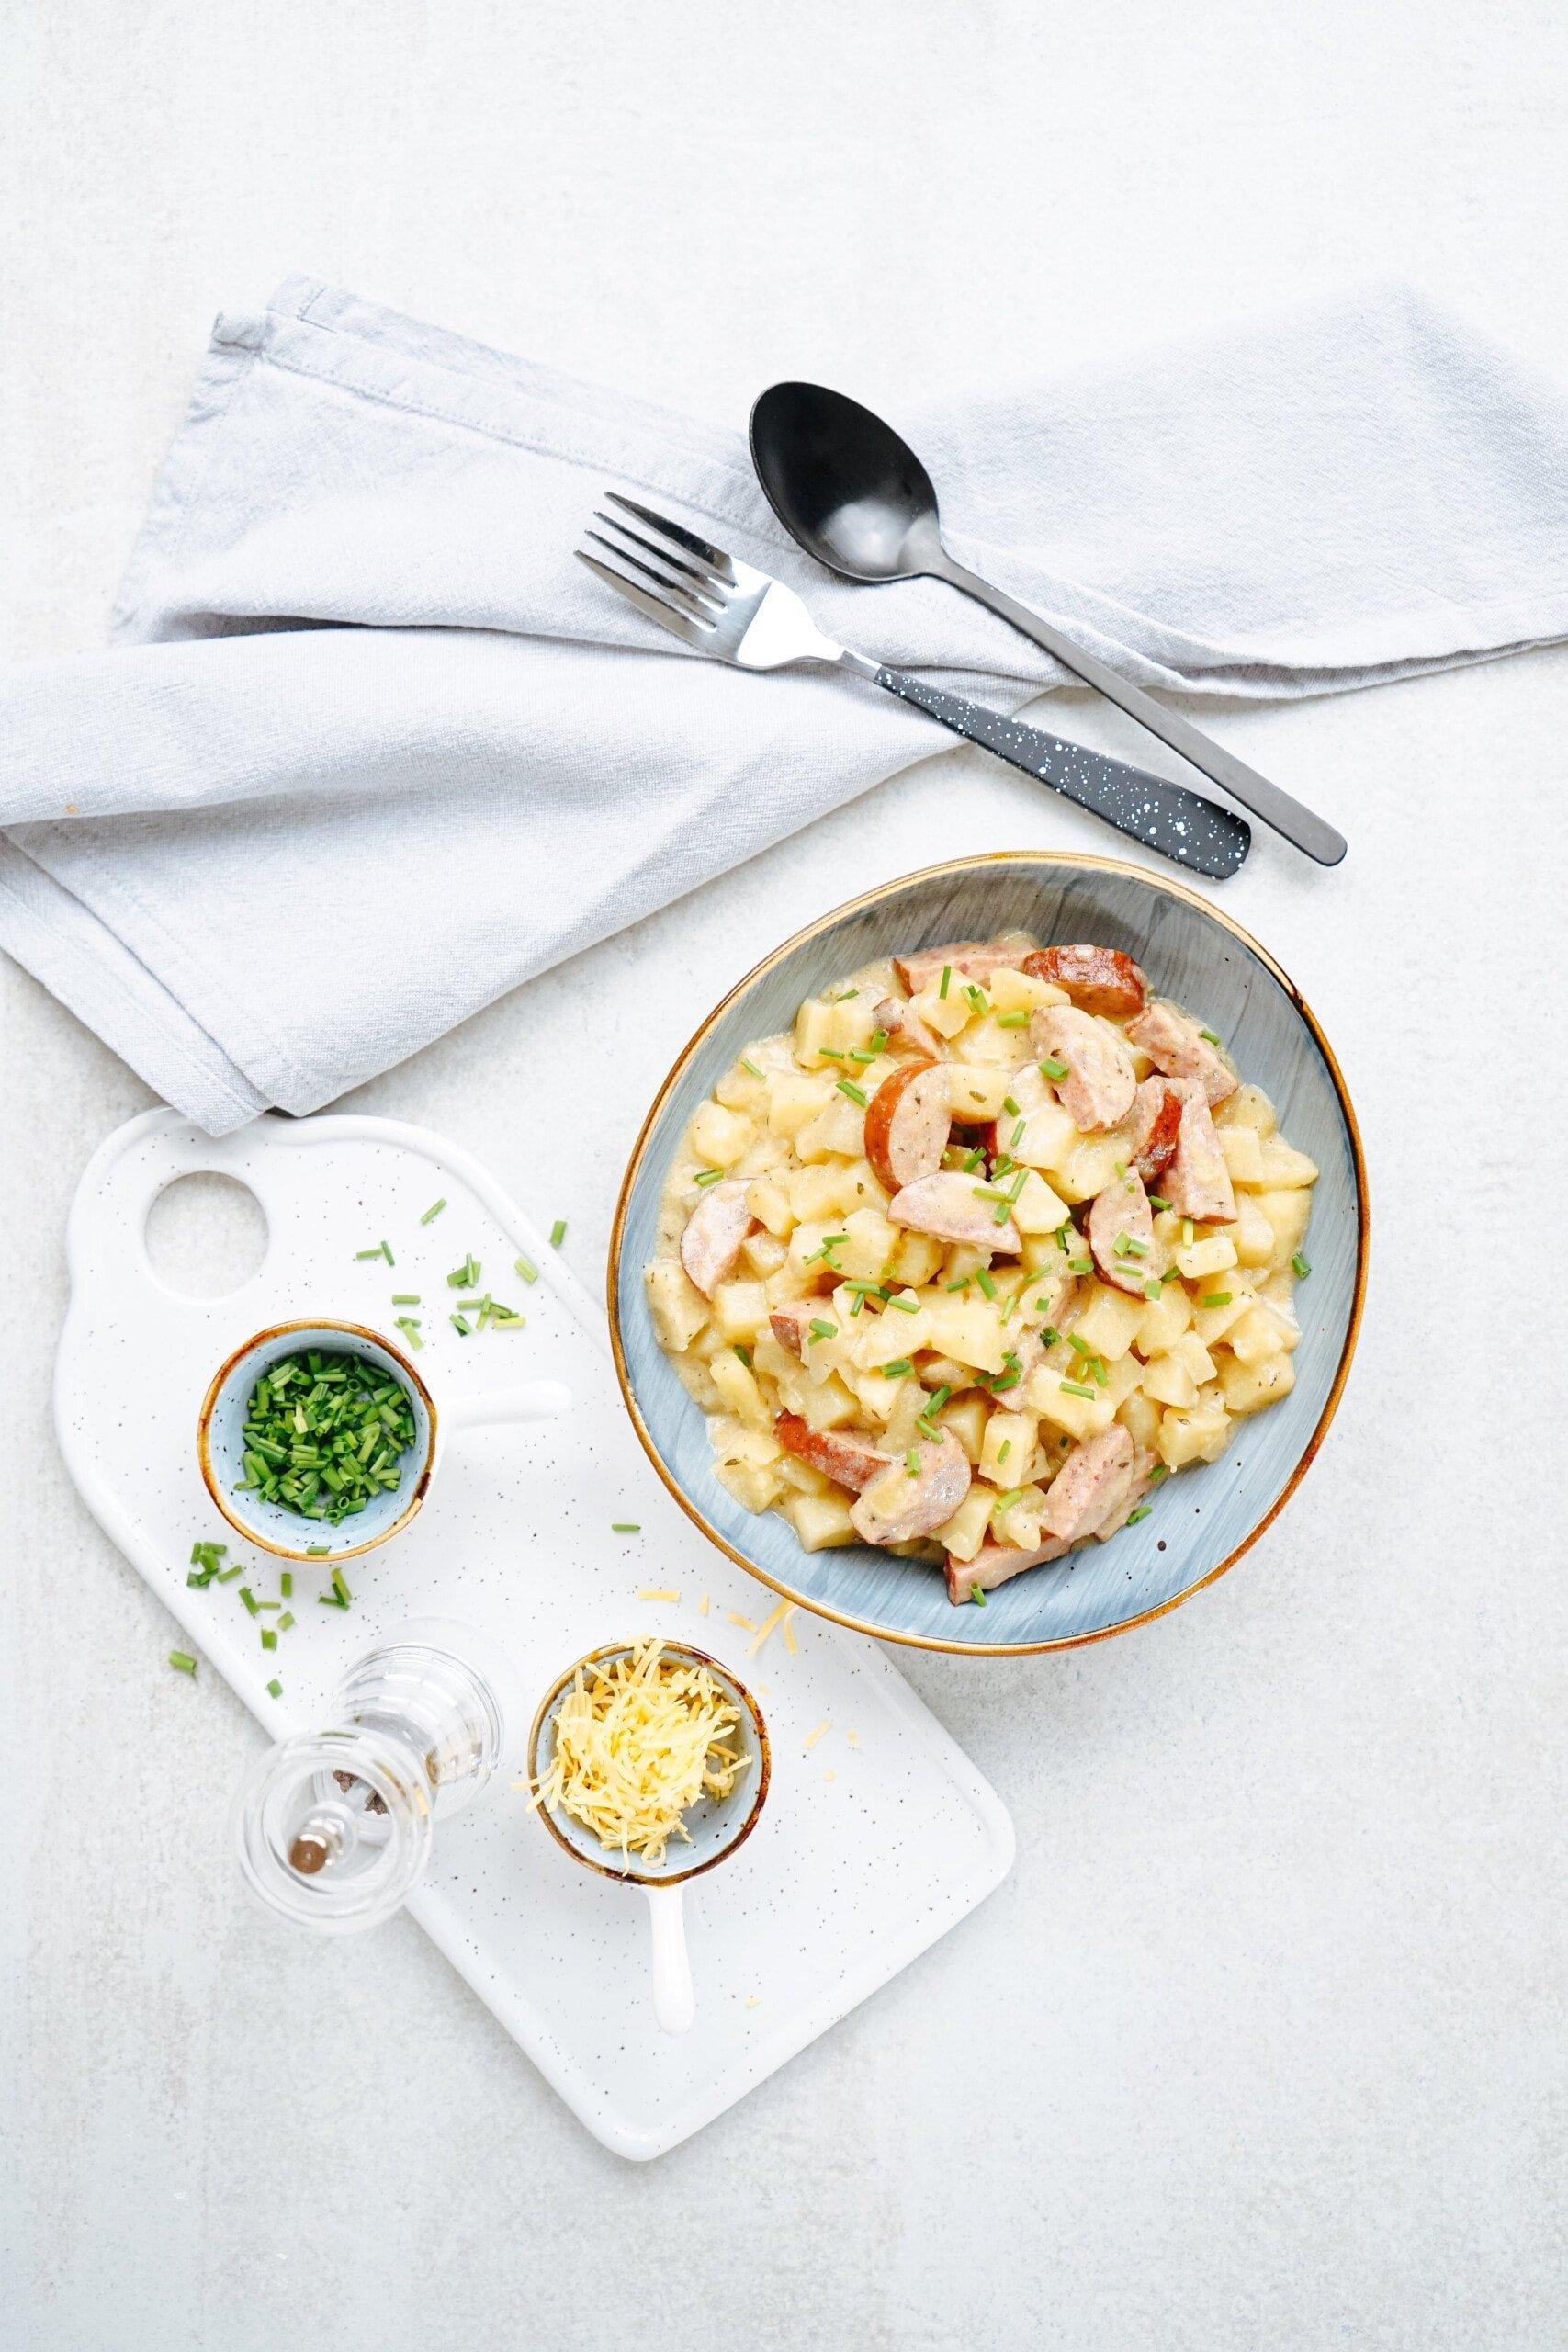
(764,1773)
(204,1425)
(813,930)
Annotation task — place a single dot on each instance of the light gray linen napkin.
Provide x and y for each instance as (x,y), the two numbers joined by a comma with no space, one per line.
(372,748)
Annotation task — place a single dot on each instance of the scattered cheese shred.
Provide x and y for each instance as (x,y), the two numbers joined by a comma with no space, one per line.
(830,1774)
(813,1736)
(748,1623)
(788,1630)
(854,1738)
(638,1741)
(657,1592)
(703,1606)
(771,1624)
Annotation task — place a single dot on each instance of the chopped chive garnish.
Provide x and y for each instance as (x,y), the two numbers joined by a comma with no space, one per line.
(1079,1346)
(1153,1289)
(182,1662)
(984,1277)
(939,1398)
(1139,1248)
(977,1597)
(1133,1516)
(1208,1036)
(912,1462)
(1158,1200)
(285,1622)
(432,1212)
(557,1233)
(1011,1020)
(897,1368)
(1005,1502)
(946,978)
(1299,1265)
(267,1606)
(1051,1068)
(821,1329)
(749,1066)
(410,1331)
(331,1601)
(1075,1388)
(460,1325)
(286,1584)
(1005,1380)
(625,1527)
(706,1176)
(962,1283)
(405,1298)
(974,1160)
(843,996)
(526,1268)
(1099,1374)
(322,1434)
(1017,1136)
(1120,1167)
(1009,1106)
(268,1638)
(368,1253)
(316,1551)
(1122,1244)
(386,1253)
(1161,1470)
(906,1305)
(274,1689)
(744,1355)
(1215,1298)
(341,1589)
(1187,1233)
(465,1276)
(248,1596)
(1079,1266)
(857,1094)
(831,1053)
(878,1040)
(1003,1451)
(975,996)
(863,1053)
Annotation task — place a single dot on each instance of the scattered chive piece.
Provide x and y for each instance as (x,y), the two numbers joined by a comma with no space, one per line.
(368,1253)
(1051,1068)
(557,1233)
(977,1596)
(625,1527)
(878,1040)
(432,1212)
(962,1283)
(1161,1470)
(274,1689)
(183,1662)
(863,1053)
(973,1159)
(821,1329)
(1299,1266)
(1215,1298)
(1011,1020)
(341,1589)
(1003,1451)
(410,1331)
(227,1576)
(248,1596)
(1120,1166)
(1133,1516)
(459,1324)
(1005,1502)
(857,1094)
(1049,1335)
(939,1398)
(269,1605)
(1209,1037)
(843,996)
(1079,1346)
(749,1066)
(526,1268)
(975,996)
(744,1354)
(1152,1289)
(706,1176)
(316,1551)
(983,1276)
(1079,1266)
(1009,1106)
(331,1601)
(1017,1136)
(897,1368)
(1158,1200)
(405,1298)
(1139,1248)
(1187,1233)
(912,1462)
(1099,1374)
(831,1053)
(386,1253)
(268,1638)
(1122,1244)
(946,978)
(465,1276)
(1075,1388)
(285,1622)
(906,1305)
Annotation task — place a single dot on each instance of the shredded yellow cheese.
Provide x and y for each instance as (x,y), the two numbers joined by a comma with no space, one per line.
(813,1736)
(748,1623)
(638,1741)
(769,1625)
(657,1592)
(703,1606)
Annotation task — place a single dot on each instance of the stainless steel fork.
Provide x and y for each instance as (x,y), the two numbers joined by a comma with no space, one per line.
(717,604)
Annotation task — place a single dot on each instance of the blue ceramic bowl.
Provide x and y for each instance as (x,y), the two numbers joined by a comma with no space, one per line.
(1202,1520)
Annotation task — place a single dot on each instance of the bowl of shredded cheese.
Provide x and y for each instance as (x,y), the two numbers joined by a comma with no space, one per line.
(649,1762)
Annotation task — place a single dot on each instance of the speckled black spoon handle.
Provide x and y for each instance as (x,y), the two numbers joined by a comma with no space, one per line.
(1181,824)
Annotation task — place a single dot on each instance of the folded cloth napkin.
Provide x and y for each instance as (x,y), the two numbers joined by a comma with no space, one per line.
(372,748)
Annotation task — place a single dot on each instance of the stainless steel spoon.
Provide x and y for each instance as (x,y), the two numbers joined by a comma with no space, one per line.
(857,498)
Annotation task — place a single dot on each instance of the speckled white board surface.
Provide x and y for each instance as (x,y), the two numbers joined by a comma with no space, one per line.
(868,1849)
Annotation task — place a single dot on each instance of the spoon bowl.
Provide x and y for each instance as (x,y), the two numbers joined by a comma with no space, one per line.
(844,485)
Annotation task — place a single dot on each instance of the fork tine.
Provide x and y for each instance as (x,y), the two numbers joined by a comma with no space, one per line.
(715,558)
(700,591)
(673,591)
(680,624)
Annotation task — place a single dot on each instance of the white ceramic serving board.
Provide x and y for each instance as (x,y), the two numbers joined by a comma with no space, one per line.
(867,1850)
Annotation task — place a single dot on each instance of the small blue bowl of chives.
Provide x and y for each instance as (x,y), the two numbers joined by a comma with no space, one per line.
(221,1445)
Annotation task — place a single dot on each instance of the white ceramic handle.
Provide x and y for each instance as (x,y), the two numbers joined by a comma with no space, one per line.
(537,1400)
(675,2003)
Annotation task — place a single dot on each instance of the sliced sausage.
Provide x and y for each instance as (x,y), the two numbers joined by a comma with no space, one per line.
(791,1324)
(907,1122)
(1137,1488)
(1098,980)
(1156,1115)
(994,1564)
(953,1206)
(715,1230)
(848,1460)
(1122,1208)
(1198,1183)
(905,1503)
(897,1019)
(977,959)
(1100,1081)
(1090,1486)
(1178,1046)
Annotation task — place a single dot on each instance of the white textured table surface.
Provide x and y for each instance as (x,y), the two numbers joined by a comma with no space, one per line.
(1263,2044)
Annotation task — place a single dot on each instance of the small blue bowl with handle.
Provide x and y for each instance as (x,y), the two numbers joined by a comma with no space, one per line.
(1203,1519)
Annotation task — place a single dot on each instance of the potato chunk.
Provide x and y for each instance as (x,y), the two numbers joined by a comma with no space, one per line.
(1249,1387)
(720,1138)
(678,1306)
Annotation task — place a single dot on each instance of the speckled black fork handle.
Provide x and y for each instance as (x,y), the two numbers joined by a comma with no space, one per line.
(1181,824)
